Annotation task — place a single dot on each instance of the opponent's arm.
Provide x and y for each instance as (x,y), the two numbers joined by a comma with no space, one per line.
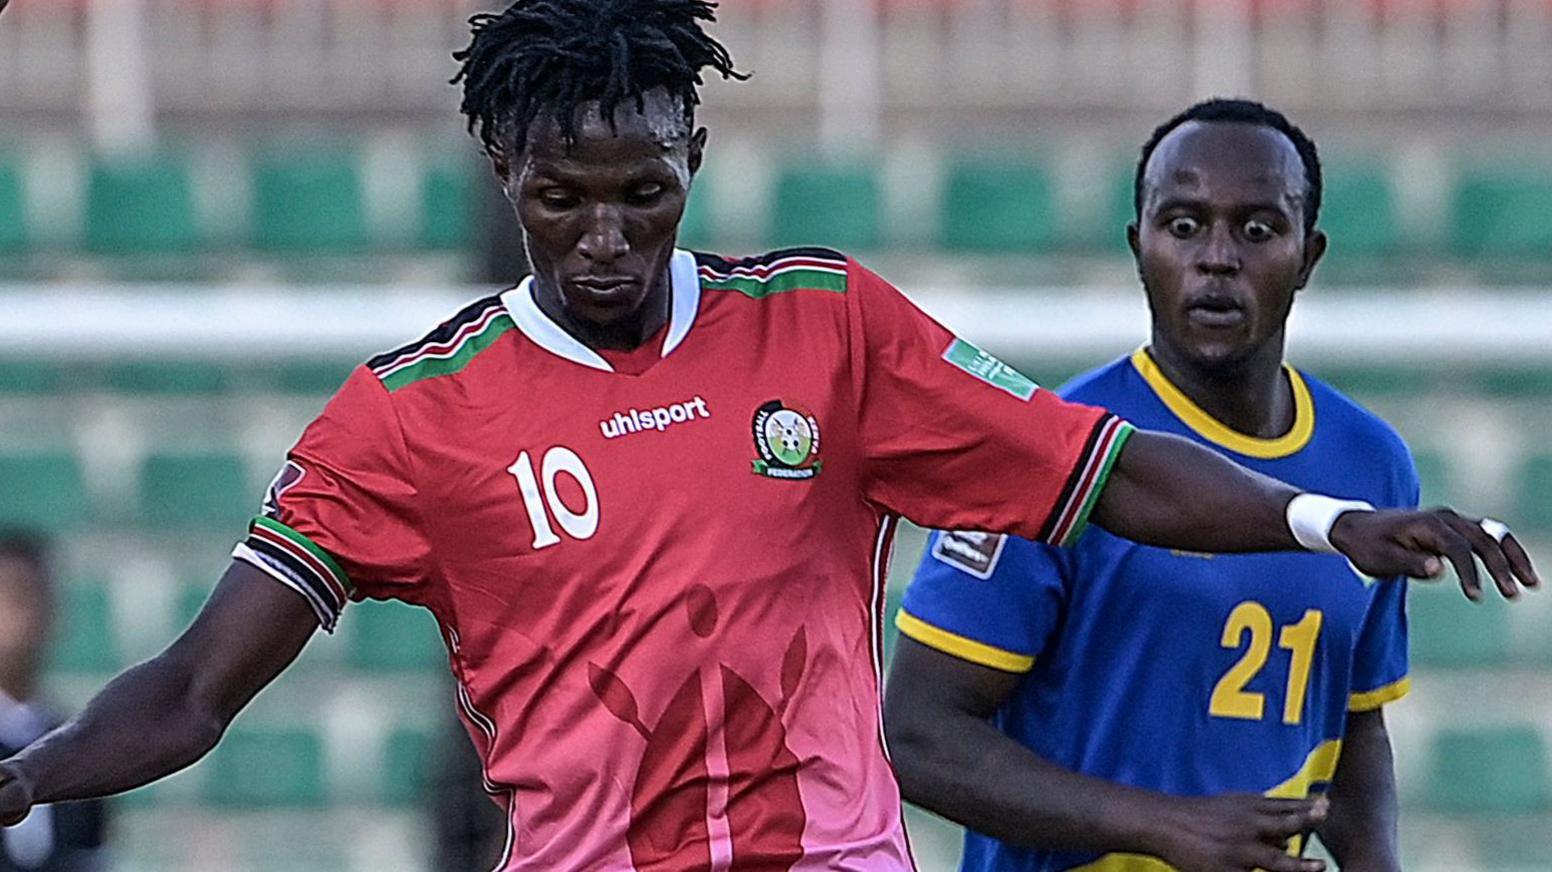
(1360,830)
(951,760)
(168,712)
(1171,492)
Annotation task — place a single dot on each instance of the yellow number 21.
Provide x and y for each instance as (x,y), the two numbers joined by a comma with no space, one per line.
(1229,698)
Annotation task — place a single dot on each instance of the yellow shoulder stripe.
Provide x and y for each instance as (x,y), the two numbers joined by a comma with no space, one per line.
(1216,431)
(975,652)
(1370,700)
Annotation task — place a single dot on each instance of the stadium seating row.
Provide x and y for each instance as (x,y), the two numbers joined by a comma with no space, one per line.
(313,201)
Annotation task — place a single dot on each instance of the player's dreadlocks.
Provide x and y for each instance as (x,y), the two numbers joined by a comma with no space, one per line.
(542,55)
(1243,112)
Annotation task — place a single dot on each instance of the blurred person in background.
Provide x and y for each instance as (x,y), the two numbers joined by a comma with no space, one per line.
(662,591)
(468,831)
(54,838)
(1049,698)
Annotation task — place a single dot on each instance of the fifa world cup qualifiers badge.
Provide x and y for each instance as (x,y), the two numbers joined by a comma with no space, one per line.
(787,439)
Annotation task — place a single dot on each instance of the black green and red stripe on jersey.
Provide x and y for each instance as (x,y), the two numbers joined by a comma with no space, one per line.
(1088,479)
(297,562)
(791,269)
(447,349)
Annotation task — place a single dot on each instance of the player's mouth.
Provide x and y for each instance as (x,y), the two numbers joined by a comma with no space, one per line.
(603,286)
(1216,312)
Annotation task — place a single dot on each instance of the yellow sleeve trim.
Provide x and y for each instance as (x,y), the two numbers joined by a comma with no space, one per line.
(1370,700)
(975,652)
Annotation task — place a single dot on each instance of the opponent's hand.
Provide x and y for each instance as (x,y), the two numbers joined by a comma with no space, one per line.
(1386,544)
(1239,833)
(15,796)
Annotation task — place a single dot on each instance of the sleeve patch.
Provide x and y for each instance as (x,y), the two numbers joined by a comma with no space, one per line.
(989,369)
(974,553)
(290,475)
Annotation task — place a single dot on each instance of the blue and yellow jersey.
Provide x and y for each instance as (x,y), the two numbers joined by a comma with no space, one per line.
(1191,674)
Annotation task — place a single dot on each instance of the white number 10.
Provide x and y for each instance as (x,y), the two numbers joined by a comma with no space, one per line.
(556,461)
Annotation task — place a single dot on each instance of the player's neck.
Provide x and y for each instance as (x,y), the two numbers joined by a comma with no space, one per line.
(17,686)
(1250,396)
(627,334)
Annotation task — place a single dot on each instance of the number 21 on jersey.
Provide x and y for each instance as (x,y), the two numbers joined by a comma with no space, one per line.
(1229,697)
(557,461)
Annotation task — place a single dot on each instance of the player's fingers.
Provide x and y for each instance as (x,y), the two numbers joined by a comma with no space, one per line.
(1436,536)
(1520,561)
(1488,549)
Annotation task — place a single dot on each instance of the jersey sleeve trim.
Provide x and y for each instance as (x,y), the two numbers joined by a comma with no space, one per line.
(1087,481)
(301,562)
(1370,700)
(328,618)
(959,646)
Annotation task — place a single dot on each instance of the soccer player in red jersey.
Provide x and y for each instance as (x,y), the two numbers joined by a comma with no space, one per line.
(648,495)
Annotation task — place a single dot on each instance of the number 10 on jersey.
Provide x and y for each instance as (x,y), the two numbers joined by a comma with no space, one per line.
(577,524)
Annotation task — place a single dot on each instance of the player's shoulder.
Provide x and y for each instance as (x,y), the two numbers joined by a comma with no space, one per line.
(446,350)
(1102,386)
(1339,415)
(775,272)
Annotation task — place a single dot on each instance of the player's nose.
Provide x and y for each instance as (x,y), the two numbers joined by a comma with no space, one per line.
(1218,255)
(604,240)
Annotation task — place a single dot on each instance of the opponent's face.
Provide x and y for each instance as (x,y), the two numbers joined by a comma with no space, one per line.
(600,215)
(1220,245)
(24,616)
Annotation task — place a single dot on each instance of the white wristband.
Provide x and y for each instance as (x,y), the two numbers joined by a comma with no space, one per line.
(1311,516)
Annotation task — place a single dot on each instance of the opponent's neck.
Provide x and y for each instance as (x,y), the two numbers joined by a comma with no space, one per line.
(1250,396)
(628,334)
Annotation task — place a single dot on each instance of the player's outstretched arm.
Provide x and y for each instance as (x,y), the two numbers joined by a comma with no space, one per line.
(1173,493)
(951,760)
(167,713)
(1360,830)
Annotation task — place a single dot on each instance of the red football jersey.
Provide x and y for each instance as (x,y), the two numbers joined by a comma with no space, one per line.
(662,592)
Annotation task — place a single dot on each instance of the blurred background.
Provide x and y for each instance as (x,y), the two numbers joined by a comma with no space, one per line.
(211,209)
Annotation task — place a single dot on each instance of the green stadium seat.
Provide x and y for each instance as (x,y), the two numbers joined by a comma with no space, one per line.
(318,377)
(141,206)
(84,640)
(998,206)
(696,227)
(168,377)
(1433,471)
(835,206)
(256,767)
(13,206)
(197,491)
(1449,632)
(1503,213)
(1489,770)
(1533,484)
(392,637)
(1359,210)
(45,490)
(30,377)
(448,207)
(309,202)
(1375,381)
(406,772)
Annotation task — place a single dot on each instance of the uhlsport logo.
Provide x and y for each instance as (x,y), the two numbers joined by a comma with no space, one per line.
(787,439)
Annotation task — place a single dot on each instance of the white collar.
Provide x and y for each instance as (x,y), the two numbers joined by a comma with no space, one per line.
(20,723)
(685,302)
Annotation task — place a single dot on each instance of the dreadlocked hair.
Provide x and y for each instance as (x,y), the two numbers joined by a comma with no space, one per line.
(540,55)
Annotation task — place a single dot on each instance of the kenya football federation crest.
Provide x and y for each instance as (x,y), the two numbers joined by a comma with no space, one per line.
(787,439)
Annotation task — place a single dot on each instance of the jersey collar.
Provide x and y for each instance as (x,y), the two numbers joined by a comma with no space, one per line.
(1221,434)
(685,302)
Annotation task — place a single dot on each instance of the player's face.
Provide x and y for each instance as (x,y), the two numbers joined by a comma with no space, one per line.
(1221,246)
(600,216)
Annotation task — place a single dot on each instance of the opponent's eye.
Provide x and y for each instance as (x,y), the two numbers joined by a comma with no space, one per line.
(647,193)
(1184,226)
(1259,231)
(557,198)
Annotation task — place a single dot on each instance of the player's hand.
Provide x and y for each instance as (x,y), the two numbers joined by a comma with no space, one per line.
(15,796)
(1239,833)
(1386,544)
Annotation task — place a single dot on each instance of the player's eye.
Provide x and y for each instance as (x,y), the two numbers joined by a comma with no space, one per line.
(648,193)
(1259,231)
(1184,226)
(557,198)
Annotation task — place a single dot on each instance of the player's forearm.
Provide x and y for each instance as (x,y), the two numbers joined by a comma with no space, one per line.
(1360,830)
(1171,492)
(965,770)
(146,724)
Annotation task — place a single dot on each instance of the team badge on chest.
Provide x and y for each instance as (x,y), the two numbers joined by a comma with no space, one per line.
(787,439)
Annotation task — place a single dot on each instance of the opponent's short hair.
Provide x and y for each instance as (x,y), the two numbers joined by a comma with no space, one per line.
(1242,112)
(34,551)
(556,55)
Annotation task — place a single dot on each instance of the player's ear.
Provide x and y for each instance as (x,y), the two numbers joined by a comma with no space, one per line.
(1314,250)
(1134,241)
(697,150)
